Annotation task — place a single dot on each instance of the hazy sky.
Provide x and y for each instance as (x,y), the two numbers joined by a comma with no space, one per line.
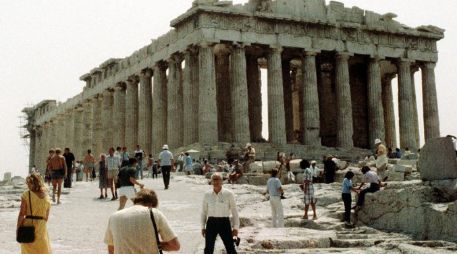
(45,46)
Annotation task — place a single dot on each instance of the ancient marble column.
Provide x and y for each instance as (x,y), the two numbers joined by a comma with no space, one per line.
(430,102)
(239,95)
(174,101)
(414,69)
(159,107)
(131,114)
(51,135)
(223,93)
(288,103)
(37,154)
(405,107)
(70,130)
(254,98)
(107,123)
(375,107)
(87,126)
(343,102)
(97,142)
(207,106)
(79,130)
(276,118)
(119,114)
(190,97)
(389,113)
(145,110)
(311,117)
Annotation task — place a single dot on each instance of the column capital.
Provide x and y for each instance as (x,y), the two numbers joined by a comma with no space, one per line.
(222,49)
(133,80)
(107,92)
(311,52)
(146,73)
(388,77)
(162,65)
(276,48)
(343,55)
(428,65)
(120,86)
(376,58)
(175,58)
(405,61)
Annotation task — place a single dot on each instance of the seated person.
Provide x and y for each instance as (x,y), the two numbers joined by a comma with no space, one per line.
(369,177)
(236,173)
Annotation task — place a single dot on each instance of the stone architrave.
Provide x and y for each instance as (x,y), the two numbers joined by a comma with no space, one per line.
(311,117)
(131,114)
(97,125)
(87,121)
(207,106)
(145,110)
(190,98)
(79,128)
(107,122)
(414,69)
(437,160)
(276,118)
(239,95)
(375,108)
(159,107)
(345,128)
(119,120)
(405,108)
(389,113)
(254,98)
(174,101)
(430,102)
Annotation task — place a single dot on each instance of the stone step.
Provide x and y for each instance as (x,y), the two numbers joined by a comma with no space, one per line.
(359,243)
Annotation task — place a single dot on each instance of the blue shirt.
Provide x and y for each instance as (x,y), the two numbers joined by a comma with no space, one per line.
(188,161)
(273,185)
(347,186)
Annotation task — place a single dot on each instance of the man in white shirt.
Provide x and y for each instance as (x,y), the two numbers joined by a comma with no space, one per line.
(166,164)
(274,188)
(218,204)
(112,163)
(139,155)
(131,230)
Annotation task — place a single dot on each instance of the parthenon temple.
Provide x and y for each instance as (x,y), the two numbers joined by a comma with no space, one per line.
(329,72)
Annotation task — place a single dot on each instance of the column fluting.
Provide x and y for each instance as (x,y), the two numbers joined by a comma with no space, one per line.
(311,117)
(159,107)
(276,118)
(375,108)
(405,108)
(345,128)
(131,114)
(430,102)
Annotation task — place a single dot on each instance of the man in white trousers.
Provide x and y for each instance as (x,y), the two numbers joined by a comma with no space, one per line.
(275,190)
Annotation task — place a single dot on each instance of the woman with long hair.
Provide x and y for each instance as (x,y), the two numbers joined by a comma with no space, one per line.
(35,206)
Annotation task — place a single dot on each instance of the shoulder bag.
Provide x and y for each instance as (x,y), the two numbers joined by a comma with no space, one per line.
(26,234)
(155,230)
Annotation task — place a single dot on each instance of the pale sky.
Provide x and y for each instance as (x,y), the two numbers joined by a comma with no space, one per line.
(45,46)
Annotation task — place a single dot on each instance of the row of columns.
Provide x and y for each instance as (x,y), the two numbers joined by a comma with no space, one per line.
(181,108)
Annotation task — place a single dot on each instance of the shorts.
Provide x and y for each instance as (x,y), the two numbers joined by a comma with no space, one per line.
(127,191)
(57,174)
(112,173)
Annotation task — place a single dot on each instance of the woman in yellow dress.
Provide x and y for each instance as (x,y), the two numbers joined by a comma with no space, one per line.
(41,205)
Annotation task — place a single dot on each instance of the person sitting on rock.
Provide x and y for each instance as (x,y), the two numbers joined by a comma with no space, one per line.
(236,173)
(369,177)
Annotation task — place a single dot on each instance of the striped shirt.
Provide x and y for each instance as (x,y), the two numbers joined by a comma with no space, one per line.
(113,162)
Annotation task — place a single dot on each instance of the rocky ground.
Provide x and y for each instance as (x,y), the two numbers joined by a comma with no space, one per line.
(78,224)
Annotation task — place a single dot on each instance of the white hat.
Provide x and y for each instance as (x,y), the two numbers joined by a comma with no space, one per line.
(165,147)
(313,162)
(248,145)
(377,141)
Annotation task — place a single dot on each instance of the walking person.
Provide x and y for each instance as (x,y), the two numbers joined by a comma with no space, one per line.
(103,176)
(35,207)
(155,168)
(150,164)
(70,160)
(127,183)
(58,169)
(139,155)
(136,230)
(188,164)
(166,163)
(275,191)
(113,163)
(47,174)
(347,197)
(124,157)
(308,189)
(218,204)
(89,165)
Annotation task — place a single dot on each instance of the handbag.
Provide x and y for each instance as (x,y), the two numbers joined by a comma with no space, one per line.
(26,234)
(155,230)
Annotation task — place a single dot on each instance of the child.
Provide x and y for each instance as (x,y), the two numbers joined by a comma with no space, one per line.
(347,198)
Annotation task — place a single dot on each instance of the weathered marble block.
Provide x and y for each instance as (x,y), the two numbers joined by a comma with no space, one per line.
(438,160)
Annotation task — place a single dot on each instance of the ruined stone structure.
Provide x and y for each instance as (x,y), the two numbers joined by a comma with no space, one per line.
(329,82)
